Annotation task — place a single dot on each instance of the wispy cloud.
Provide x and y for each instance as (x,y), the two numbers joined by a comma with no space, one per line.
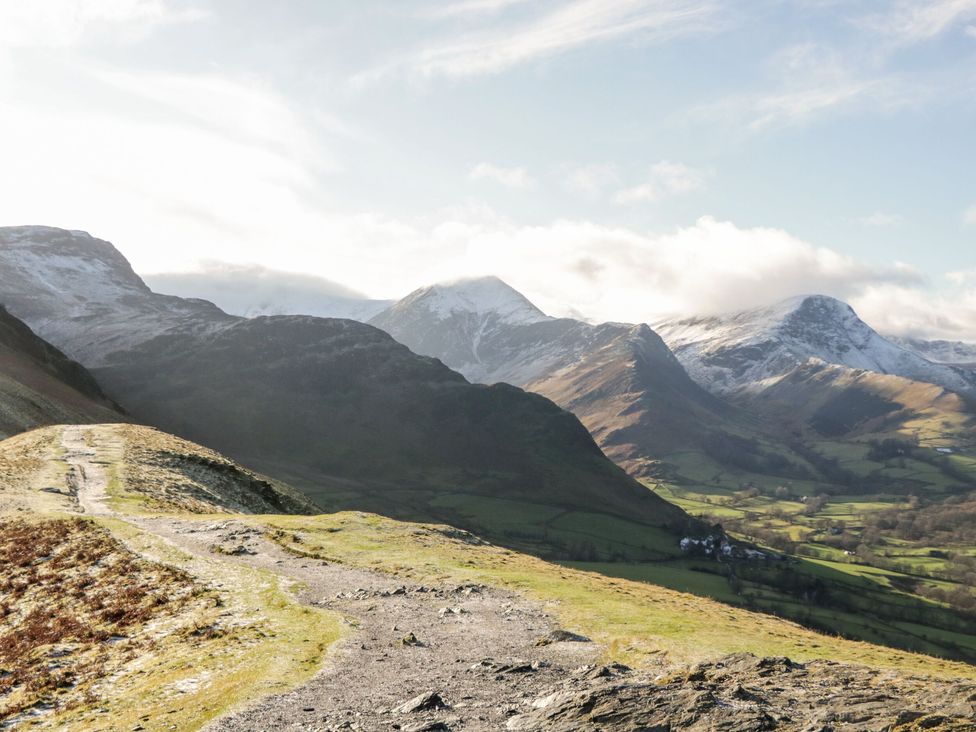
(510,177)
(882,220)
(562,27)
(55,23)
(811,80)
(468,8)
(969,215)
(666,178)
(914,21)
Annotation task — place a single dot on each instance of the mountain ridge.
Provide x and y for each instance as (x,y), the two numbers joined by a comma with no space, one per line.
(747,351)
(620,379)
(334,406)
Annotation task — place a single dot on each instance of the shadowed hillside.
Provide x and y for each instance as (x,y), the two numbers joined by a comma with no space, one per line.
(39,385)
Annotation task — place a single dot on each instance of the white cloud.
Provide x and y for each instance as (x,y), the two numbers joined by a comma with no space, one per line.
(971,31)
(914,21)
(53,23)
(590,180)
(608,273)
(210,161)
(560,28)
(882,220)
(256,290)
(969,215)
(518,178)
(922,312)
(666,178)
(467,8)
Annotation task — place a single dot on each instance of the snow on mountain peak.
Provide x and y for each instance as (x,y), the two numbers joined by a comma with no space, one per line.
(59,260)
(81,294)
(749,348)
(481,296)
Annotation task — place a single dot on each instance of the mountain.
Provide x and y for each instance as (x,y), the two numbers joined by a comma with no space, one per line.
(39,385)
(621,380)
(811,361)
(81,294)
(947,352)
(750,350)
(335,407)
(251,291)
(342,410)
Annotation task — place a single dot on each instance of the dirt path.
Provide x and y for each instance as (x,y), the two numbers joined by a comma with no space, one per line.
(475,655)
(87,469)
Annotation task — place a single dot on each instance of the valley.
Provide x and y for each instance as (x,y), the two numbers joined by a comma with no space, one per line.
(468,551)
(268,599)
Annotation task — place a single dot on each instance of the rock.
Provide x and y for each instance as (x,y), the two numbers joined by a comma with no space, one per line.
(742,693)
(426,727)
(445,611)
(429,701)
(410,640)
(562,636)
(518,667)
(608,671)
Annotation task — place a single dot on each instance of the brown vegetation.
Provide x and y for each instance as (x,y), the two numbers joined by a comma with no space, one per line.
(73,603)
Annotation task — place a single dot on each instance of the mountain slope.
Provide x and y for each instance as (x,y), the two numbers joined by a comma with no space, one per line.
(956,353)
(750,350)
(810,362)
(80,293)
(335,407)
(621,380)
(340,404)
(39,385)
(156,617)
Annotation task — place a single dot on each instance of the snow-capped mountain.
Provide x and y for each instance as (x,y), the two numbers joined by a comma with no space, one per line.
(467,324)
(749,351)
(949,352)
(81,294)
(620,379)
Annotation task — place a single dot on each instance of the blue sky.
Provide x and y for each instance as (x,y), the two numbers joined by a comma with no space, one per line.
(621,159)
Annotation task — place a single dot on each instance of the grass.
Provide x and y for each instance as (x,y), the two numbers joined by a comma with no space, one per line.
(640,624)
(254,639)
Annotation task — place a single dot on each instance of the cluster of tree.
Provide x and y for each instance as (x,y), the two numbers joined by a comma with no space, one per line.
(760,534)
(882,450)
(949,523)
(959,598)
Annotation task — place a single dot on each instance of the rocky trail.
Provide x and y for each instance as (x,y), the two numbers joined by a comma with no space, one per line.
(438,657)
(87,475)
(415,658)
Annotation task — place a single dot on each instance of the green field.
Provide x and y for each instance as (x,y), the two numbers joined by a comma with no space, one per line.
(851,534)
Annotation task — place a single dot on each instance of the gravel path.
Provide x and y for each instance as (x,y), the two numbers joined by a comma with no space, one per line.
(87,476)
(415,658)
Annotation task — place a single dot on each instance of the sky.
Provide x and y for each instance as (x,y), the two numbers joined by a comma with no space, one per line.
(612,159)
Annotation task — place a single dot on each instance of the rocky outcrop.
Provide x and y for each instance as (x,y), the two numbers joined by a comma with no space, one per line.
(744,693)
